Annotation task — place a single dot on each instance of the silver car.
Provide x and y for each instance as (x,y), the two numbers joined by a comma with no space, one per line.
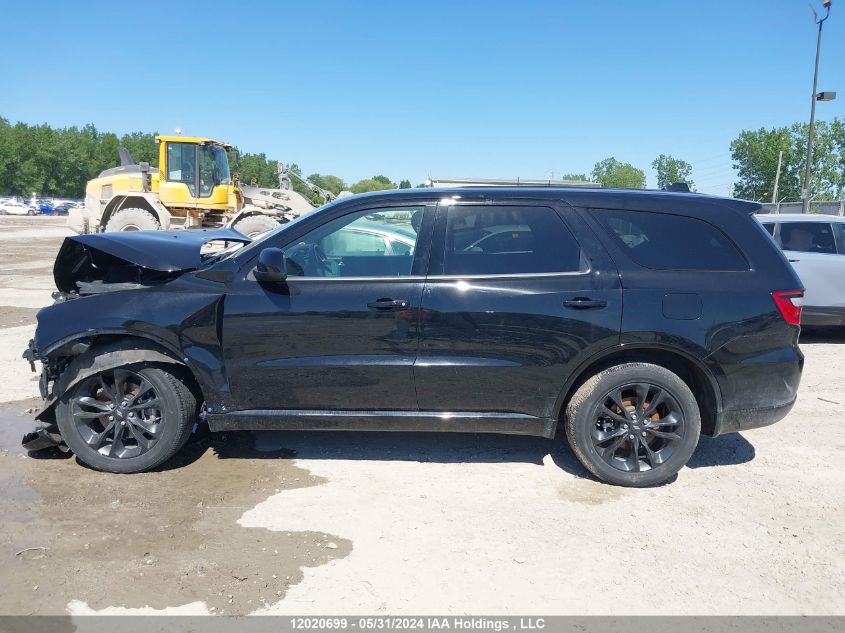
(815,245)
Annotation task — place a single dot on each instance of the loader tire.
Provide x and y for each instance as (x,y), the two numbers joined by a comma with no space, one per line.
(255,225)
(133,219)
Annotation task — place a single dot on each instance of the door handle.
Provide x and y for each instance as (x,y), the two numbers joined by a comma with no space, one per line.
(584,303)
(388,304)
(794,260)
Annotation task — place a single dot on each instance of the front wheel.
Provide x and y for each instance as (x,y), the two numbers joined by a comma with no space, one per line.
(634,424)
(127,420)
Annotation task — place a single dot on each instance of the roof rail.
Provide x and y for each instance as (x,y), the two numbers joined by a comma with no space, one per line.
(506,182)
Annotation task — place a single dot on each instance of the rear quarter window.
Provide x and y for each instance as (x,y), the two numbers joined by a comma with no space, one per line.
(671,242)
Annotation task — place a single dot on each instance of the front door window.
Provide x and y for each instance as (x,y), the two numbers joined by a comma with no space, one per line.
(371,243)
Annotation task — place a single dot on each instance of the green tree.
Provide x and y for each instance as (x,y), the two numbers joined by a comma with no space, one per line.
(612,173)
(837,135)
(142,146)
(578,177)
(755,158)
(376,183)
(405,184)
(670,169)
(328,182)
(389,184)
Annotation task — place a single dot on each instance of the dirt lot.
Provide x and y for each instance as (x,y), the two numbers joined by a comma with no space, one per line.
(410,523)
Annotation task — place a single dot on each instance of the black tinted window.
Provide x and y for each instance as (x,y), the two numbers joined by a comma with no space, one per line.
(807,237)
(672,242)
(490,240)
(769,227)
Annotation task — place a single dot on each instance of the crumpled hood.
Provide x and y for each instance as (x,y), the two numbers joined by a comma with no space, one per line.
(124,255)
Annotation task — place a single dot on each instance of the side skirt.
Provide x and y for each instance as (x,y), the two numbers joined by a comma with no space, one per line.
(312,420)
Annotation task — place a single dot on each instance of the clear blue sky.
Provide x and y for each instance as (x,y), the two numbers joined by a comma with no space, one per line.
(483,89)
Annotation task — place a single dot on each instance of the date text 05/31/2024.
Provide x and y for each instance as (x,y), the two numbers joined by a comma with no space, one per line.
(386,623)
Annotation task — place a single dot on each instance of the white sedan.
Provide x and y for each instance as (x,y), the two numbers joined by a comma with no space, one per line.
(15,207)
(815,246)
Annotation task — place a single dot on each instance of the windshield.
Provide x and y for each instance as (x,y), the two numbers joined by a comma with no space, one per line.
(215,159)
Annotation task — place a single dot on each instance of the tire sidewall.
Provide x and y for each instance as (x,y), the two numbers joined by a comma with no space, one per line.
(262,223)
(143,219)
(172,418)
(580,428)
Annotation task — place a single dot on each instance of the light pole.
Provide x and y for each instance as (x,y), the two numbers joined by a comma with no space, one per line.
(817,96)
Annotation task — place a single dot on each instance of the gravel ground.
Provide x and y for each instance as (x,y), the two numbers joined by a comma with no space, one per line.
(412,523)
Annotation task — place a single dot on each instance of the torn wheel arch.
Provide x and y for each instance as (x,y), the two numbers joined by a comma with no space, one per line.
(99,357)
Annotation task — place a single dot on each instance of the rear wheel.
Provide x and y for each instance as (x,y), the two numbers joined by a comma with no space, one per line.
(255,225)
(634,424)
(127,420)
(133,219)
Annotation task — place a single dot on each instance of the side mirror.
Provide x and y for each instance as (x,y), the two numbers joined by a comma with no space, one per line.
(272,265)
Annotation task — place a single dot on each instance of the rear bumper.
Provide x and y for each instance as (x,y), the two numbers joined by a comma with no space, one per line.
(745,419)
(759,385)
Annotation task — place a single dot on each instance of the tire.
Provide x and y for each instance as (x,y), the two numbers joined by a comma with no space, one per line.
(255,225)
(166,410)
(651,445)
(133,219)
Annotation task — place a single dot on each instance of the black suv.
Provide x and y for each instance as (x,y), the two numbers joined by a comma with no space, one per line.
(637,320)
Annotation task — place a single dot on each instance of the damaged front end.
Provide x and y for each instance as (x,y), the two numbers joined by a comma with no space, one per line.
(115,295)
(46,433)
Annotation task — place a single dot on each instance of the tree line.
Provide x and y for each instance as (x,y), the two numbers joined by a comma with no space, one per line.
(755,157)
(58,162)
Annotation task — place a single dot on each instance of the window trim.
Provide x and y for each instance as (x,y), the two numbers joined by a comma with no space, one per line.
(438,241)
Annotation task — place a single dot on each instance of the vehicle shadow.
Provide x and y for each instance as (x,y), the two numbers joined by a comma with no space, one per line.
(724,450)
(443,448)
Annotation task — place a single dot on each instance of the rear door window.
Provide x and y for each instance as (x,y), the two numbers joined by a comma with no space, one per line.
(671,242)
(807,237)
(770,227)
(504,240)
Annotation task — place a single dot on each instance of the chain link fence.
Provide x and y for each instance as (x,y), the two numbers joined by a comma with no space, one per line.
(833,207)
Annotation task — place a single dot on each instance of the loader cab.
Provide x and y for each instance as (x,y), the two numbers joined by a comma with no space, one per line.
(194,173)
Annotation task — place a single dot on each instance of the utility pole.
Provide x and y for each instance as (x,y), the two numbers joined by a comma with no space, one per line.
(777,178)
(805,191)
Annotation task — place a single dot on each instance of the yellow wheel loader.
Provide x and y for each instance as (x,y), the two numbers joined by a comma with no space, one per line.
(191,188)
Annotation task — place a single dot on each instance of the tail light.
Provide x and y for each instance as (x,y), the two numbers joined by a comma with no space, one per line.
(789,302)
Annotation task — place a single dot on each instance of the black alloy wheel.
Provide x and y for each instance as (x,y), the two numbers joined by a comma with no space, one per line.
(118,413)
(633,424)
(637,427)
